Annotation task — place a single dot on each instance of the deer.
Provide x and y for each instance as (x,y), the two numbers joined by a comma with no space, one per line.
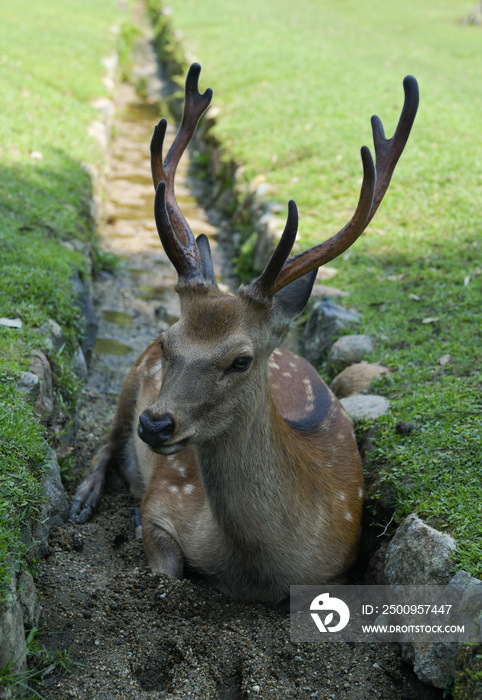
(245,462)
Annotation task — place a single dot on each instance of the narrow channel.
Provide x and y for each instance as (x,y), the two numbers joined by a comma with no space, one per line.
(122,631)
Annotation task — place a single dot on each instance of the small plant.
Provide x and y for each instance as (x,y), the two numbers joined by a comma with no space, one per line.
(41,663)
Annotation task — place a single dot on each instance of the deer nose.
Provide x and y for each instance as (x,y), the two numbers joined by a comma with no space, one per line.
(155,431)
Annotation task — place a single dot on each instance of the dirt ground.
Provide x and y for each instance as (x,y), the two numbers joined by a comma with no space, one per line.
(132,634)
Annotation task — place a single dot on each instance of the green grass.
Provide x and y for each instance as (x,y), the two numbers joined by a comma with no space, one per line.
(296,85)
(51,69)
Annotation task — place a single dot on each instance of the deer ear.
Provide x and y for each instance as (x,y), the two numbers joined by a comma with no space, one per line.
(292,299)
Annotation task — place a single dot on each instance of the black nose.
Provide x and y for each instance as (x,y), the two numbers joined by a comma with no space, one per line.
(155,431)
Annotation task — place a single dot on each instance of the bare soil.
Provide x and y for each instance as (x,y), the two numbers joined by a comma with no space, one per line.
(133,634)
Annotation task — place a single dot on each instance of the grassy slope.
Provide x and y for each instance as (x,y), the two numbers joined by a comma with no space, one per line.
(50,68)
(297,84)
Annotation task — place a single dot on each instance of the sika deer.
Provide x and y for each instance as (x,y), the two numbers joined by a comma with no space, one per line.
(246,463)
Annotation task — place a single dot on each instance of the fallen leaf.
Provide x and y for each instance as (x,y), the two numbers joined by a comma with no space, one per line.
(431,319)
(414,296)
(11,322)
(395,278)
(443,360)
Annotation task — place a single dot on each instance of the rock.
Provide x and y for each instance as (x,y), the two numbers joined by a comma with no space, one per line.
(435,662)
(375,572)
(356,378)
(419,554)
(53,335)
(84,301)
(36,385)
(45,401)
(55,509)
(324,290)
(404,428)
(325,322)
(365,406)
(27,595)
(79,364)
(12,632)
(349,349)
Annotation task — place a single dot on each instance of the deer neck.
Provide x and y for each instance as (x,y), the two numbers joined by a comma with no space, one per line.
(245,475)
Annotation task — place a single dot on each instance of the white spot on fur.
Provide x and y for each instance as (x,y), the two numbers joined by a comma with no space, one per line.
(181,469)
(309,388)
(171,457)
(360,493)
(277,352)
(287,374)
(174,489)
(310,395)
(340,495)
(273,364)
(188,488)
(348,516)
(293,365)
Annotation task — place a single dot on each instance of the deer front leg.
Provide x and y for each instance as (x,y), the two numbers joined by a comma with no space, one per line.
(163,553)
(88,494)
(109,454)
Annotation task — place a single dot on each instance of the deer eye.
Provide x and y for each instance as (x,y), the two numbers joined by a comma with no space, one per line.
(241,364)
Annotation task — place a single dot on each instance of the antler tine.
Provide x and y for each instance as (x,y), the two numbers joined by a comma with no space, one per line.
(184,258)
(388,151)
(195,104)
(170,221)
(261,290)
(275,276)
(374,186)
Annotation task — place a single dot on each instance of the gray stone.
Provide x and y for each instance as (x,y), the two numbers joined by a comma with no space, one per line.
(40,366)
(84,301)
(349,349)
(12,632)
(435,662)
(28,385)
(36,385)
(356,378)
(27,595)
(55,508)
(324,324)
(365,406)
(419,554)
(53,335)
(79,364)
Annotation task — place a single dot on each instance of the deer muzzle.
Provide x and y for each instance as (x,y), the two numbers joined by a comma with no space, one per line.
(155,432)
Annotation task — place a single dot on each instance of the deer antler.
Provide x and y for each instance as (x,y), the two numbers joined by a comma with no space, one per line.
(279,271)
(174,232)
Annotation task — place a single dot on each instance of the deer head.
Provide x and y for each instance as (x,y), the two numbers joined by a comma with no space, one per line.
(216,358)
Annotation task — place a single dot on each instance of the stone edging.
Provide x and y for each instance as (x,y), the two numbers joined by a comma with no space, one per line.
(21,609)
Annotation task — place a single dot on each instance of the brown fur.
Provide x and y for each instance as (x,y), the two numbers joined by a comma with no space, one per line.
(254,502)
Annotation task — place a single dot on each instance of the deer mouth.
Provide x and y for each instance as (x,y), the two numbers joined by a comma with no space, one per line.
(173,447)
